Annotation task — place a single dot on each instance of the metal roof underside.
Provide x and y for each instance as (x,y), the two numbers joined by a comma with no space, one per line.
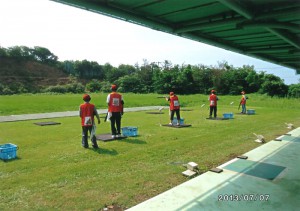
(264,29)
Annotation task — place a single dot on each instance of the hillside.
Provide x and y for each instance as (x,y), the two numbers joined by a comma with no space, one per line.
(13,71)
(29,75)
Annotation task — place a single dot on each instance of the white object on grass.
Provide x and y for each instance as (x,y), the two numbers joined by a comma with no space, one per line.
(260,138)
(192,166)
(289,125)
(189,173)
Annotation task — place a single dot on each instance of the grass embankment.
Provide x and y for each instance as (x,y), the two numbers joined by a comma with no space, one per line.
(53,171)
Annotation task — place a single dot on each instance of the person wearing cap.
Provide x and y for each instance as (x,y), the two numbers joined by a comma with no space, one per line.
(87,111)
(115,111)
(243,102)
(213,104)
(174,107)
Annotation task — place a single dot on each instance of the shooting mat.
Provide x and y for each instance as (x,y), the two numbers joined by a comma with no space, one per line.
(107,137)
(218,118)
(154,112)
(176,126)
(186,109)
(46,123)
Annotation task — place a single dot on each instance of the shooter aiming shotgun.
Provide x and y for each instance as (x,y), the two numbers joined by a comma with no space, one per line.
(243,103)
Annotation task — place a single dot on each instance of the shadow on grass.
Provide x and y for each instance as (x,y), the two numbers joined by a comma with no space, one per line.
(11,160)
(105,151)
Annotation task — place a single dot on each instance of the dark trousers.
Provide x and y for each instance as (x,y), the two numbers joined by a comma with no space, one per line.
(211,110)
(177,111)
(243,108)
(115,123)
(85,130)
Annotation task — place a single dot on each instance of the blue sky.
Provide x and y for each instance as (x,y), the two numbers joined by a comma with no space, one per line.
(74,34)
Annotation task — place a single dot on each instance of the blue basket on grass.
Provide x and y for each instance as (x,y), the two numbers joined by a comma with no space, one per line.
(251,111)
(8,151)
(228,115)
(174,122)
(129,131)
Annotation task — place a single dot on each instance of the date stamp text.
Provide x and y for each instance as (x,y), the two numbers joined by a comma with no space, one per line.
(243,197)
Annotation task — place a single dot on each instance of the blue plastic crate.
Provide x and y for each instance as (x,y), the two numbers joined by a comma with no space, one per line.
(129,131)
(174,122)
(228,115)
(251,111)
(8,151)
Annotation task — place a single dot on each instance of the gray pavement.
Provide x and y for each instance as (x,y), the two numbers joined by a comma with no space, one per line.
(23,117)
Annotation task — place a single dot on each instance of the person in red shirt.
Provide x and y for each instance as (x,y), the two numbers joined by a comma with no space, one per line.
(243,102)
(87,111)
(213,104)
(174,107)
(115,111)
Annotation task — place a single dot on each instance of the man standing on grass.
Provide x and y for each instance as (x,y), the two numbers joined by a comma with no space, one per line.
(174,107)
(213,104)
(87,111)
(243,102)
(115,111)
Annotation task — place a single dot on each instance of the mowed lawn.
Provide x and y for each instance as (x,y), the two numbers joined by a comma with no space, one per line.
(53,172)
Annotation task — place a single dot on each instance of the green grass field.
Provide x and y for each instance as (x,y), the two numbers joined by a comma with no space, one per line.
(53,172)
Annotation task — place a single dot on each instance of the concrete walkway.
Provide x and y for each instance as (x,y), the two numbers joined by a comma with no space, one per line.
(267,180)
(22,117)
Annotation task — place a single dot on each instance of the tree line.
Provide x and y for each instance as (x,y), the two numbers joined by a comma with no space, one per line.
(157,77)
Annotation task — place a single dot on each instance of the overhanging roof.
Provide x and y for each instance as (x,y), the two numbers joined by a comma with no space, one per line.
(264,29)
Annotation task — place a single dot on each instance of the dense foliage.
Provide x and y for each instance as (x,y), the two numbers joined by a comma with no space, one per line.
(153,77)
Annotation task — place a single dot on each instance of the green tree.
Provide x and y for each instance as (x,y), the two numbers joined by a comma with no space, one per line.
(94,85)
(105,86)
(15,52)
(44,55)
(254,81)
(87,70)
(113,73)
(165,80)
(129,83)
(3,52)
(183,79)
(145,74)
(294,90)
(202,79)
(274,86)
